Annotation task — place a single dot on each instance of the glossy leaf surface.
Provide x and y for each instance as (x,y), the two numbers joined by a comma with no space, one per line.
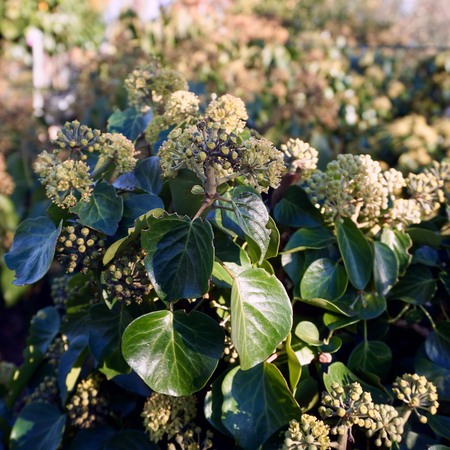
(305,238)
(131,123)
(371,356)
(385,268)
(399,242)
(437,345)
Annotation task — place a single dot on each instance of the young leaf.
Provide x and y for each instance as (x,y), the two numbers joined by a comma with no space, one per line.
(175,354)
(371,356)
(146,177)
(305,238)
(356,253)
(180,256)
(308,332)
(131,123)
(257,402)
(261,316)
(324,279)
(400,243)
(39,426)
(252,217)
(385,268)
(104,210)
(32,250)
(296,210)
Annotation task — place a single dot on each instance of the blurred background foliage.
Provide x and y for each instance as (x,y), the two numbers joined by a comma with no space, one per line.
(348,76)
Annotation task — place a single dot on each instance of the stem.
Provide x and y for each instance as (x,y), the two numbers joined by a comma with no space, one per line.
(95,174)
(223,199)
(400,314)
(373,231)
(445,313)
(228,178)
(342,440)
(365,330)
(406,413)
(428,316)
(222,207)
(211,182)
(232,275)
(198,304)
(207,202)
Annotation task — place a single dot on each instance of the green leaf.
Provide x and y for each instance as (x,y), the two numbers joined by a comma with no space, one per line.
(341,306)
(32,250)
(252,217)
(356,253)
(385,268)
(130,440)
(11,294)
(400,243)
(334,344)
(180,256)
(131,123)
(338,373)
(295,368)
(147,177)
(261,316)
(335,321)
(417,286)
(325,279)
(274,243)
(305,238)
(39,426)
(307,394)
(438,375)
(369,307)
(70,364)
(437,345)
(103,211)
(57,214)
(421,236)
(175,354)
(438,447)
(44,328)
(105,337)
(440,425)
(185,203)
(308,333)
(92,438)
(371,356)
(257,402)
(296,210)
(295,264)
(137,206)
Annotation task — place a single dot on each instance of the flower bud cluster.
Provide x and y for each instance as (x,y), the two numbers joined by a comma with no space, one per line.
(62,179)
(229,111)
(351,405)
(353,185)
(78,245)
(167,415)
(126,277)
(56,349)
(120,149)
(88,406)
(77,138)
(308,434)
(389,426)
(229,353)
(300,157)
(152,84)
(418,393)
(404,212)
(46,391)
(191,439)
(60,292)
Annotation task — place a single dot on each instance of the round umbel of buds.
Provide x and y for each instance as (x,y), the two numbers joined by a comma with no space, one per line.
(126,278)
(229,354)
(87,406)
(80,246)
(229,111)
(46,391)
(165,415)
(417,393)
(351,405)
(60,292)
(77,138)
(389,426)
(121,150)
(300,157)
(308,434)
(56,349)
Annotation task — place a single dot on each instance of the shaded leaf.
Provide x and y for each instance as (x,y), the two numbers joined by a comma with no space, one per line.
(130,440)
(295,368)
(305,238)
(371,356)
(137,206)
(92,438)
(422,236)
(440,425)
(399,242)
(184,201)
(131,123)
(385,268)
(437,345)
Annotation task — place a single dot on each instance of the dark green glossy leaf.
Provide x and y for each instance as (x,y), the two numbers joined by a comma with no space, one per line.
(338,373)
(417,286)
(295,368)
(385,268)
(356,253)
(437,345)
(44,328)
(438,447)
(180,256)
(39,426)
(307,394)
(399,242)
(131,123)
(274,243)
(422,236)
(295,264)
(103,211)
(308,333)
(369,307)
(261,316)
(371,356)
(334,344)
(440,425)
(296,210)
(138,205)
(105,337)
(92,438)
(257,402)
(252,217)
(426,255)
(130,440)
(341,306)
(174,353)
(184,201)
(133,383)
(325,279)
(32,250)
(305,238)
(147,176)
(438,375)
(57,214)
(335,321)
